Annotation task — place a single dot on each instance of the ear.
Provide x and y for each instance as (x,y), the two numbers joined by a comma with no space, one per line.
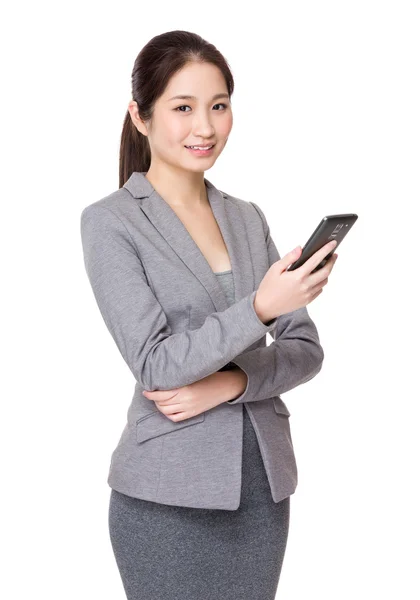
(138,122)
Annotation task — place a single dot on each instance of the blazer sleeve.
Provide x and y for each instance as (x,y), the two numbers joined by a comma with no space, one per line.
(294,357)
(157,358)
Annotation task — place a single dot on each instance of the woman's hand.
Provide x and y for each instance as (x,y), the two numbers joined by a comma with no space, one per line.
(190,400)
(283,291)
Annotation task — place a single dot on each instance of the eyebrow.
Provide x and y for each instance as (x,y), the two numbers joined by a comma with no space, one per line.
(187,97)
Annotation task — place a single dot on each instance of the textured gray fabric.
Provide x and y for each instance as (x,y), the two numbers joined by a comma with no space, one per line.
(168,552)
(225,279)
(171,321)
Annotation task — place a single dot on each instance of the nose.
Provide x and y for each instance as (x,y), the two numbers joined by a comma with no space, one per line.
(203,127)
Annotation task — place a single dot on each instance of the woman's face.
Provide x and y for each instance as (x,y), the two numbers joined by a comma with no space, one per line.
(201,120)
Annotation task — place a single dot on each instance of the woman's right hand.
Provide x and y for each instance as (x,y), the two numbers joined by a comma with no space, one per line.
(283,291)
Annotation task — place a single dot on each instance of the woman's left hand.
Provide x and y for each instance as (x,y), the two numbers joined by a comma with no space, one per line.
(190,400)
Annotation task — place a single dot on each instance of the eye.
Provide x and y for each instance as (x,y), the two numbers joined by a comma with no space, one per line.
(183,106)
(186,106)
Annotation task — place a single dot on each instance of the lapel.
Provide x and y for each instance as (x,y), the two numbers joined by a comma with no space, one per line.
(172,229)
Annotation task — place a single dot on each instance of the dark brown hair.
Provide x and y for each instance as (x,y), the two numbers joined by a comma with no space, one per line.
(162,57)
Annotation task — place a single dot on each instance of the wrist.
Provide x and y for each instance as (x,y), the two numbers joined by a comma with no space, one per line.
(259,312)
(236,381)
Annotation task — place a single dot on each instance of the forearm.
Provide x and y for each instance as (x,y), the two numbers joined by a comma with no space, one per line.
(158,358)
(278,368)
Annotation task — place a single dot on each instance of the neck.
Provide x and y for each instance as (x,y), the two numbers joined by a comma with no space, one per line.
(179,188)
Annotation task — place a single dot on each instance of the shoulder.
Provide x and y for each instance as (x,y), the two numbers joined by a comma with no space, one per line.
(119,203)
(248,207)
(244,205)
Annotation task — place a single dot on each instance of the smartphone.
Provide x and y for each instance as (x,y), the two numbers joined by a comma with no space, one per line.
(331,227)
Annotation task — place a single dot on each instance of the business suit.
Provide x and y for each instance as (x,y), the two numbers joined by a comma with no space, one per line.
(170,320)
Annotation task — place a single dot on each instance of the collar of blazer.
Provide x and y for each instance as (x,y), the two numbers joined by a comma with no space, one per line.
(231,220)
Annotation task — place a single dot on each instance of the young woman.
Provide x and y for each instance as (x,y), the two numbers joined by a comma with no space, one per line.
(189,282)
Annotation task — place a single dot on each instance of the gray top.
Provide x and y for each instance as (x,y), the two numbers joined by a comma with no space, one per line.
(225,279)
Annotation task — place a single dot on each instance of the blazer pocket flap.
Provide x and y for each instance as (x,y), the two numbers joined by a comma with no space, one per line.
(156,423)
(280,407)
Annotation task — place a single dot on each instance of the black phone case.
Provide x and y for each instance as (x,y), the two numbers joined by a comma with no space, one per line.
(331,227)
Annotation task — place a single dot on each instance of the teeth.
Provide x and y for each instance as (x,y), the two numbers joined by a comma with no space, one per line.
(200,147)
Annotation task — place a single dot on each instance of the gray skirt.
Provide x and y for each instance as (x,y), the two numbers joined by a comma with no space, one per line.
(166,552)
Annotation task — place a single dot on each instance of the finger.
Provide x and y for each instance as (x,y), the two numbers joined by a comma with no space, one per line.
(320,284)
(290,257)
(314,279)
(317,294)
(169,409)
(171,414)
(160,394)
(314,260)
(180,416)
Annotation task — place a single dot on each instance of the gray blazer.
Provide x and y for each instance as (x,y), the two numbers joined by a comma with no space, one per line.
(170,319)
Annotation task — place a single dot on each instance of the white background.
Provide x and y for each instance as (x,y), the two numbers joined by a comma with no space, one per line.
(326,120)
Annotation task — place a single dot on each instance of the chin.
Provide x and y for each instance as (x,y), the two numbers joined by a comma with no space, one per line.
(200,167)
